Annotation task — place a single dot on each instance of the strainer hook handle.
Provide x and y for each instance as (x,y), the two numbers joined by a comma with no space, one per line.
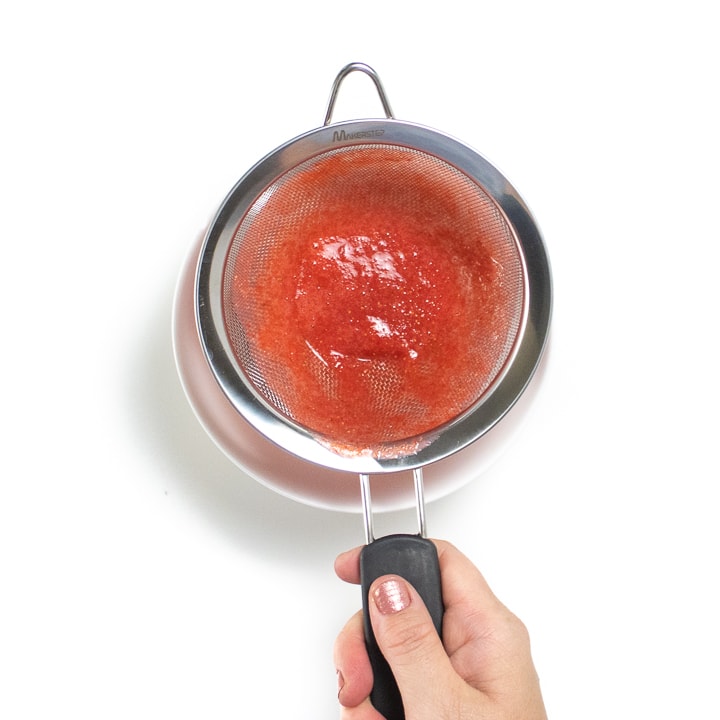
(357,67)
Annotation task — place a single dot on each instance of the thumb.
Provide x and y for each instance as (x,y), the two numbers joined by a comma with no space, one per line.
(407,638)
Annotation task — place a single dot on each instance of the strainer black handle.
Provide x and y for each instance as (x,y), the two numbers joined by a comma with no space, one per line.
(415,559)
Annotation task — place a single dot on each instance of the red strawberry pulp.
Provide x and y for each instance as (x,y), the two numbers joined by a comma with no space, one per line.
(376,317)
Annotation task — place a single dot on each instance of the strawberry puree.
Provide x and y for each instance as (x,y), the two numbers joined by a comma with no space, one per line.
(375,313)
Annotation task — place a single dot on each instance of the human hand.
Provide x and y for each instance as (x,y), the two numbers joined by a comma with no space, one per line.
(484,671)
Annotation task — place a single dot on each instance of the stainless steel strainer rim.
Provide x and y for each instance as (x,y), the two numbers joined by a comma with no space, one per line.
(495,402)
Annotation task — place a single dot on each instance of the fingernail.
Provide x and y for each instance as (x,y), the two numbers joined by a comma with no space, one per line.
(391,597)
(340,682)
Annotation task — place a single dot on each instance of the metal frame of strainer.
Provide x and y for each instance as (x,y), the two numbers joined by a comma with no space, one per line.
(508,386)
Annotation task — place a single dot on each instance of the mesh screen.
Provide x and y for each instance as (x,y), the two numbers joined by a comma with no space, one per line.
(372,294)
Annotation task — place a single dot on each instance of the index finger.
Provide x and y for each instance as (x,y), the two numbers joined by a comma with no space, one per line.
(347,565)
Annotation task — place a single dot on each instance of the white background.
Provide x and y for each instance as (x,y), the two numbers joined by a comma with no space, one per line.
(141,574)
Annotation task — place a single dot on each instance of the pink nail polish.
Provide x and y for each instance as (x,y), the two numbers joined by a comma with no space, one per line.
(391,597)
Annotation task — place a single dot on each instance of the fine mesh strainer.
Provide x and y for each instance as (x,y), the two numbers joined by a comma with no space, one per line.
(374,296)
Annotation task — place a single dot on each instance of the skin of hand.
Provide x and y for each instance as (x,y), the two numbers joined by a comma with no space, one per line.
(484,671)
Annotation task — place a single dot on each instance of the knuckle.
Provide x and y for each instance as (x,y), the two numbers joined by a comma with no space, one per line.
(410,639)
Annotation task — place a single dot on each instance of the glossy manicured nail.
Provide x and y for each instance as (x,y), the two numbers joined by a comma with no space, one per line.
(391,597)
